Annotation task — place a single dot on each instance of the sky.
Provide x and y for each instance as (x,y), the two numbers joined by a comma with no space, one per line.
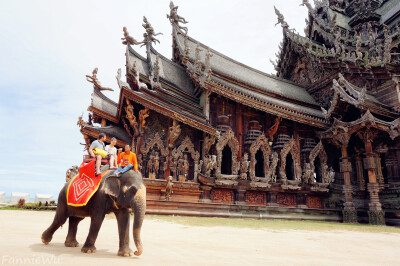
(47,47)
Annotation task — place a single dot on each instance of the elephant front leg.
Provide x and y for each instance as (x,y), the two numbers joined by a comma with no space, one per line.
(95,224)
(59,219)
(123,230)
(71,241)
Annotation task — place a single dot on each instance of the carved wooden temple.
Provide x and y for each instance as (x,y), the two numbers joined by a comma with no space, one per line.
(318,140)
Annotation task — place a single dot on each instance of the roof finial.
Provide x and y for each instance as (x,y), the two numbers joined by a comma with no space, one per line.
(308,5)
(93,79)
(129,39)
(150,33)
(175,19)
(281,20)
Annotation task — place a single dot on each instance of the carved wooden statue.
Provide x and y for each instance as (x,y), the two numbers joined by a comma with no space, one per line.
(244,166)
(210,163)
(175,18)
(156,163)
(150,33)
(168,188)
(150,165)
(127,39)
(93,79)
(131,117)
(185,165)
(174,132)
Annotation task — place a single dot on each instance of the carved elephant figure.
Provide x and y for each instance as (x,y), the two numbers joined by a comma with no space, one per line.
(115,194)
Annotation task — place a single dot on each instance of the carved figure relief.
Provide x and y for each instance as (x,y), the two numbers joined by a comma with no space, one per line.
(174,132)
(155,142)
(244,166)
(210,163)
(180,159)
(256,198)
(222,195)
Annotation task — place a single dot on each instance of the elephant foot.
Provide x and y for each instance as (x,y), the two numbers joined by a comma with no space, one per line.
(125,252)
(46,239)
(72,243)
(88,249)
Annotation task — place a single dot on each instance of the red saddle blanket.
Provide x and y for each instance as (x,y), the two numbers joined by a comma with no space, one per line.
(84,185)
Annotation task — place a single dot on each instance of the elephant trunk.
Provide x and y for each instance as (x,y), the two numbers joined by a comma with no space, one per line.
(139,209)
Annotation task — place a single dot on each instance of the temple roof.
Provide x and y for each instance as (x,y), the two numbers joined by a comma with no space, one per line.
(111,131)
(225,66)
(101,103)
(270,104)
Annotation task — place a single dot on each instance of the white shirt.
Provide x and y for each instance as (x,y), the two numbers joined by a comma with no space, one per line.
(111,151)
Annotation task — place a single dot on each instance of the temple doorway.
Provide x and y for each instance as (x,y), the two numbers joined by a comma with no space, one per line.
(289,167)
(318,173)
(259,168)
(226,163)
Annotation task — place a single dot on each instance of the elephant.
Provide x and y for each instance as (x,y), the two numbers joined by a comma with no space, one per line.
(115,194)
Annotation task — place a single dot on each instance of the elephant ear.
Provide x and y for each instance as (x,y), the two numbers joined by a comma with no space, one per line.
(112,186)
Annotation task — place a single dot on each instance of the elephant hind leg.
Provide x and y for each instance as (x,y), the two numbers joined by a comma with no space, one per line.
(71,241)
(59,219)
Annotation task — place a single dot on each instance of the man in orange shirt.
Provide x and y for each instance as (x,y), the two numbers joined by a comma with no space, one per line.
(127,160)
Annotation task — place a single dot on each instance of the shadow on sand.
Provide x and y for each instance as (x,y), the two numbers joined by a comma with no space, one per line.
(58,249)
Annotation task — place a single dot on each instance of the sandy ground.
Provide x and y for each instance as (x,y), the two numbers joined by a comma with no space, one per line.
(176,244)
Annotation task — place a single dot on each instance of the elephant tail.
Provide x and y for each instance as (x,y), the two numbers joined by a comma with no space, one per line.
(139,209)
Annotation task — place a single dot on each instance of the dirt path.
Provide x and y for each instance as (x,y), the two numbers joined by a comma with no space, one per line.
(176,244)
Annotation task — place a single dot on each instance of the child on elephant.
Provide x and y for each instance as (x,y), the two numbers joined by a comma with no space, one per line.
(112,153)
(127,161)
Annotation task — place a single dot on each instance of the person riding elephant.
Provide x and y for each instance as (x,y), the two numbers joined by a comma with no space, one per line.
(115,194)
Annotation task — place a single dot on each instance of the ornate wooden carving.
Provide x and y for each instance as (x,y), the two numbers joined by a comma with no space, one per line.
(319,151)
(244,166)
(314,202)
(156,141)
(228,139)
(174,132)
(256,197)
(207,143)
(286,200)
(143,114)
(260,143)
(222,195)
(131,117)
(188,146)
(290,147)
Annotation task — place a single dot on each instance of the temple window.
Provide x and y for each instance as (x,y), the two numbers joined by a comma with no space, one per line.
(226,164)
(318,173)
(259,168)
(289,167)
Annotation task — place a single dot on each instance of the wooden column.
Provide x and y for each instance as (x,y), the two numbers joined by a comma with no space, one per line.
(169,157)
(375,213)
(349,211)
(239,129)
(360,172)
